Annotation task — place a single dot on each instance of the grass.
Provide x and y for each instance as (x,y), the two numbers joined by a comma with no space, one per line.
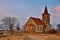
(27,36)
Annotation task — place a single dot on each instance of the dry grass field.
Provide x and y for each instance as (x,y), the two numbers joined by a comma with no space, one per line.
(24,36)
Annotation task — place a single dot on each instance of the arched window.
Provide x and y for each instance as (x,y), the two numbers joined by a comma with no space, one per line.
(27,31)
(38,28)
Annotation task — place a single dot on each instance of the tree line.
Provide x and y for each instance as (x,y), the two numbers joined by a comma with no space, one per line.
(53,30)
(12,23)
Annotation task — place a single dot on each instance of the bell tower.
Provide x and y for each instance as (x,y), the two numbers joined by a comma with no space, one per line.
(46,19)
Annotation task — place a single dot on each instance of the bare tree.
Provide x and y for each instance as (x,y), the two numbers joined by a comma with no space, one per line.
(10,22)
(17,26)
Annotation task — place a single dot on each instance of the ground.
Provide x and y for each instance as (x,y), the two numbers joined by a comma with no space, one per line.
(25,36)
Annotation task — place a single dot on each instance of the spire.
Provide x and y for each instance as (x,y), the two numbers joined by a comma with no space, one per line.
(46,10)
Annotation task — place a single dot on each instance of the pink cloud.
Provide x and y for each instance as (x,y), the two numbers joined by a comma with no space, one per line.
(57,8)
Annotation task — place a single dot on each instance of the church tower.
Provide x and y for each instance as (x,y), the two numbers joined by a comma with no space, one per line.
(46,19)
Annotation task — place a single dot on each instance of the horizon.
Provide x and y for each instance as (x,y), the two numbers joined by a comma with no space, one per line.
(23,9)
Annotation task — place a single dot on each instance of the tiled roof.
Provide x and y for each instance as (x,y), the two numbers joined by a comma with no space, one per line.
(37,21)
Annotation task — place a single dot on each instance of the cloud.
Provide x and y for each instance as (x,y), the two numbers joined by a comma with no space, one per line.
(57,8)
(55,17)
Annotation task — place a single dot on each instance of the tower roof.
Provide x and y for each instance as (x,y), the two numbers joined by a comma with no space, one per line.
(45,10)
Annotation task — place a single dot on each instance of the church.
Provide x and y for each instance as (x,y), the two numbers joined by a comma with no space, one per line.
(37,25)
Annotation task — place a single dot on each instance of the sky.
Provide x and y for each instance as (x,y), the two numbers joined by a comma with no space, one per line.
(23,9)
